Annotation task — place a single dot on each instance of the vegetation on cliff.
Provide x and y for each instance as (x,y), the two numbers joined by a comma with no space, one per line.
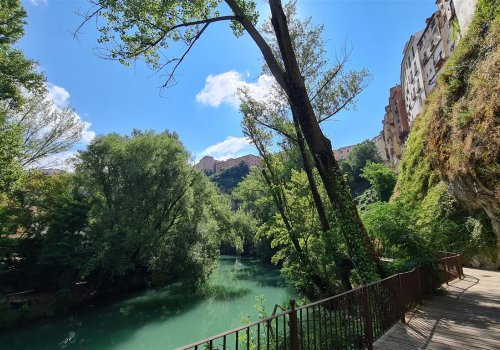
(450,175)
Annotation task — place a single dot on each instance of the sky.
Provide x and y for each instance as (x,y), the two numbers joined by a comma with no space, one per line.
(201,108)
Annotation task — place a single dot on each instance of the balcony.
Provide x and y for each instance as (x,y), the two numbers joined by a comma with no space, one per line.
(439,63)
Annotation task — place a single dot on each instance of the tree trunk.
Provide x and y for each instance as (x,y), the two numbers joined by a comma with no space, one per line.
(342,269)
(359,244)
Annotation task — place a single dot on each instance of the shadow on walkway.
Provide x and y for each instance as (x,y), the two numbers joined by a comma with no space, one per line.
(467,316)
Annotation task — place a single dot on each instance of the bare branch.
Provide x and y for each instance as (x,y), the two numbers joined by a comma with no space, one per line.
(272,127)
(264,47)
(86,17)
(189,41)
(179,60)
(331,77)
(343,105)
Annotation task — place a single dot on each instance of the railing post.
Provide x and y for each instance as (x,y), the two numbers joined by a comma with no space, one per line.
(294,334)
(421,293)
(446,270)
(460,268)
(367,319)
(403,306)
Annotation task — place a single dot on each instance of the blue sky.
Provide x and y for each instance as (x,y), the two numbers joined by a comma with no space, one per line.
(200,108)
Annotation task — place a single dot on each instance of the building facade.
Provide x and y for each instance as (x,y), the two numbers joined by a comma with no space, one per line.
(381,148)
(432,51)
(424,56)
(210,165)
(412,81)
(395,127)
(464,10)
(342,152)
(249,160)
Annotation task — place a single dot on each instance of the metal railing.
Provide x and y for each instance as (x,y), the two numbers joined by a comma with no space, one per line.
(351,320)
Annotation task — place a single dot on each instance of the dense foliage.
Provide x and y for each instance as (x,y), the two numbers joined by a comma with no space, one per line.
(134,213)
(456,135)
(229,178)
(381,179)
(353,165)
(17,74)
(148,210)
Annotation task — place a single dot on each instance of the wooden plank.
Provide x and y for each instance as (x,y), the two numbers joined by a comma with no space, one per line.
(468,317)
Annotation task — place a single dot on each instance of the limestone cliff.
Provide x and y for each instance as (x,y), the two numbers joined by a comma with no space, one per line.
(452,158)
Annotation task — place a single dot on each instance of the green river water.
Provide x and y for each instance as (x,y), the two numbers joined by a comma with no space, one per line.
(161,318)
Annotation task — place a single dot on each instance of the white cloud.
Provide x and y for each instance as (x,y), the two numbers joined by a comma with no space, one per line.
(231,147)
(59,95)
(37,2)
(222,88)
(88,135)
(63,161)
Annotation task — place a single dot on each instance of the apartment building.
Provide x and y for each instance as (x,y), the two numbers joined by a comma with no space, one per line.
(424,55)
(434,44)
(342,152)
(381,147)
(249,160)
(463,9)
(395,127)
(432,51)
(412,81)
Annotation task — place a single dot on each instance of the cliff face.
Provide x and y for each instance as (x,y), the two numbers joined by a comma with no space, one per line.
(451,165)
(464,121)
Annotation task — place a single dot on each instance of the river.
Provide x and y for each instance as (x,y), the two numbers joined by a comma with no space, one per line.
(160,318)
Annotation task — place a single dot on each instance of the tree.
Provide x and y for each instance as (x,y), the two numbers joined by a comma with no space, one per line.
(10,151)
(229,178)
(153,218)
(46,130)
(357,159)
(252,197)
(381,178)
(41,234)
(138,29)
(17,74)
(278,172)
(394,226)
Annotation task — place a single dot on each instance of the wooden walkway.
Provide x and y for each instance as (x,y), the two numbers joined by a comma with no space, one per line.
(467,316)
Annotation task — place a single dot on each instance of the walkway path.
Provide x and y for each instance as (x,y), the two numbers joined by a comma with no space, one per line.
(467,316)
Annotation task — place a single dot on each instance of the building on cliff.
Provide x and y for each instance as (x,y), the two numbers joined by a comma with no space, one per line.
(424,55)
(210,165)
(343,152)
(412,80)
(395,127)
(426,51)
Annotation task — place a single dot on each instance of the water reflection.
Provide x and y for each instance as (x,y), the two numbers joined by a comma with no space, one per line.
(162,318)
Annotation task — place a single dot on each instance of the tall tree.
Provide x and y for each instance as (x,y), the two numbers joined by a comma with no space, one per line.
(17,74)
(149,210)
(357,159)
(46,130)
(138,29)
